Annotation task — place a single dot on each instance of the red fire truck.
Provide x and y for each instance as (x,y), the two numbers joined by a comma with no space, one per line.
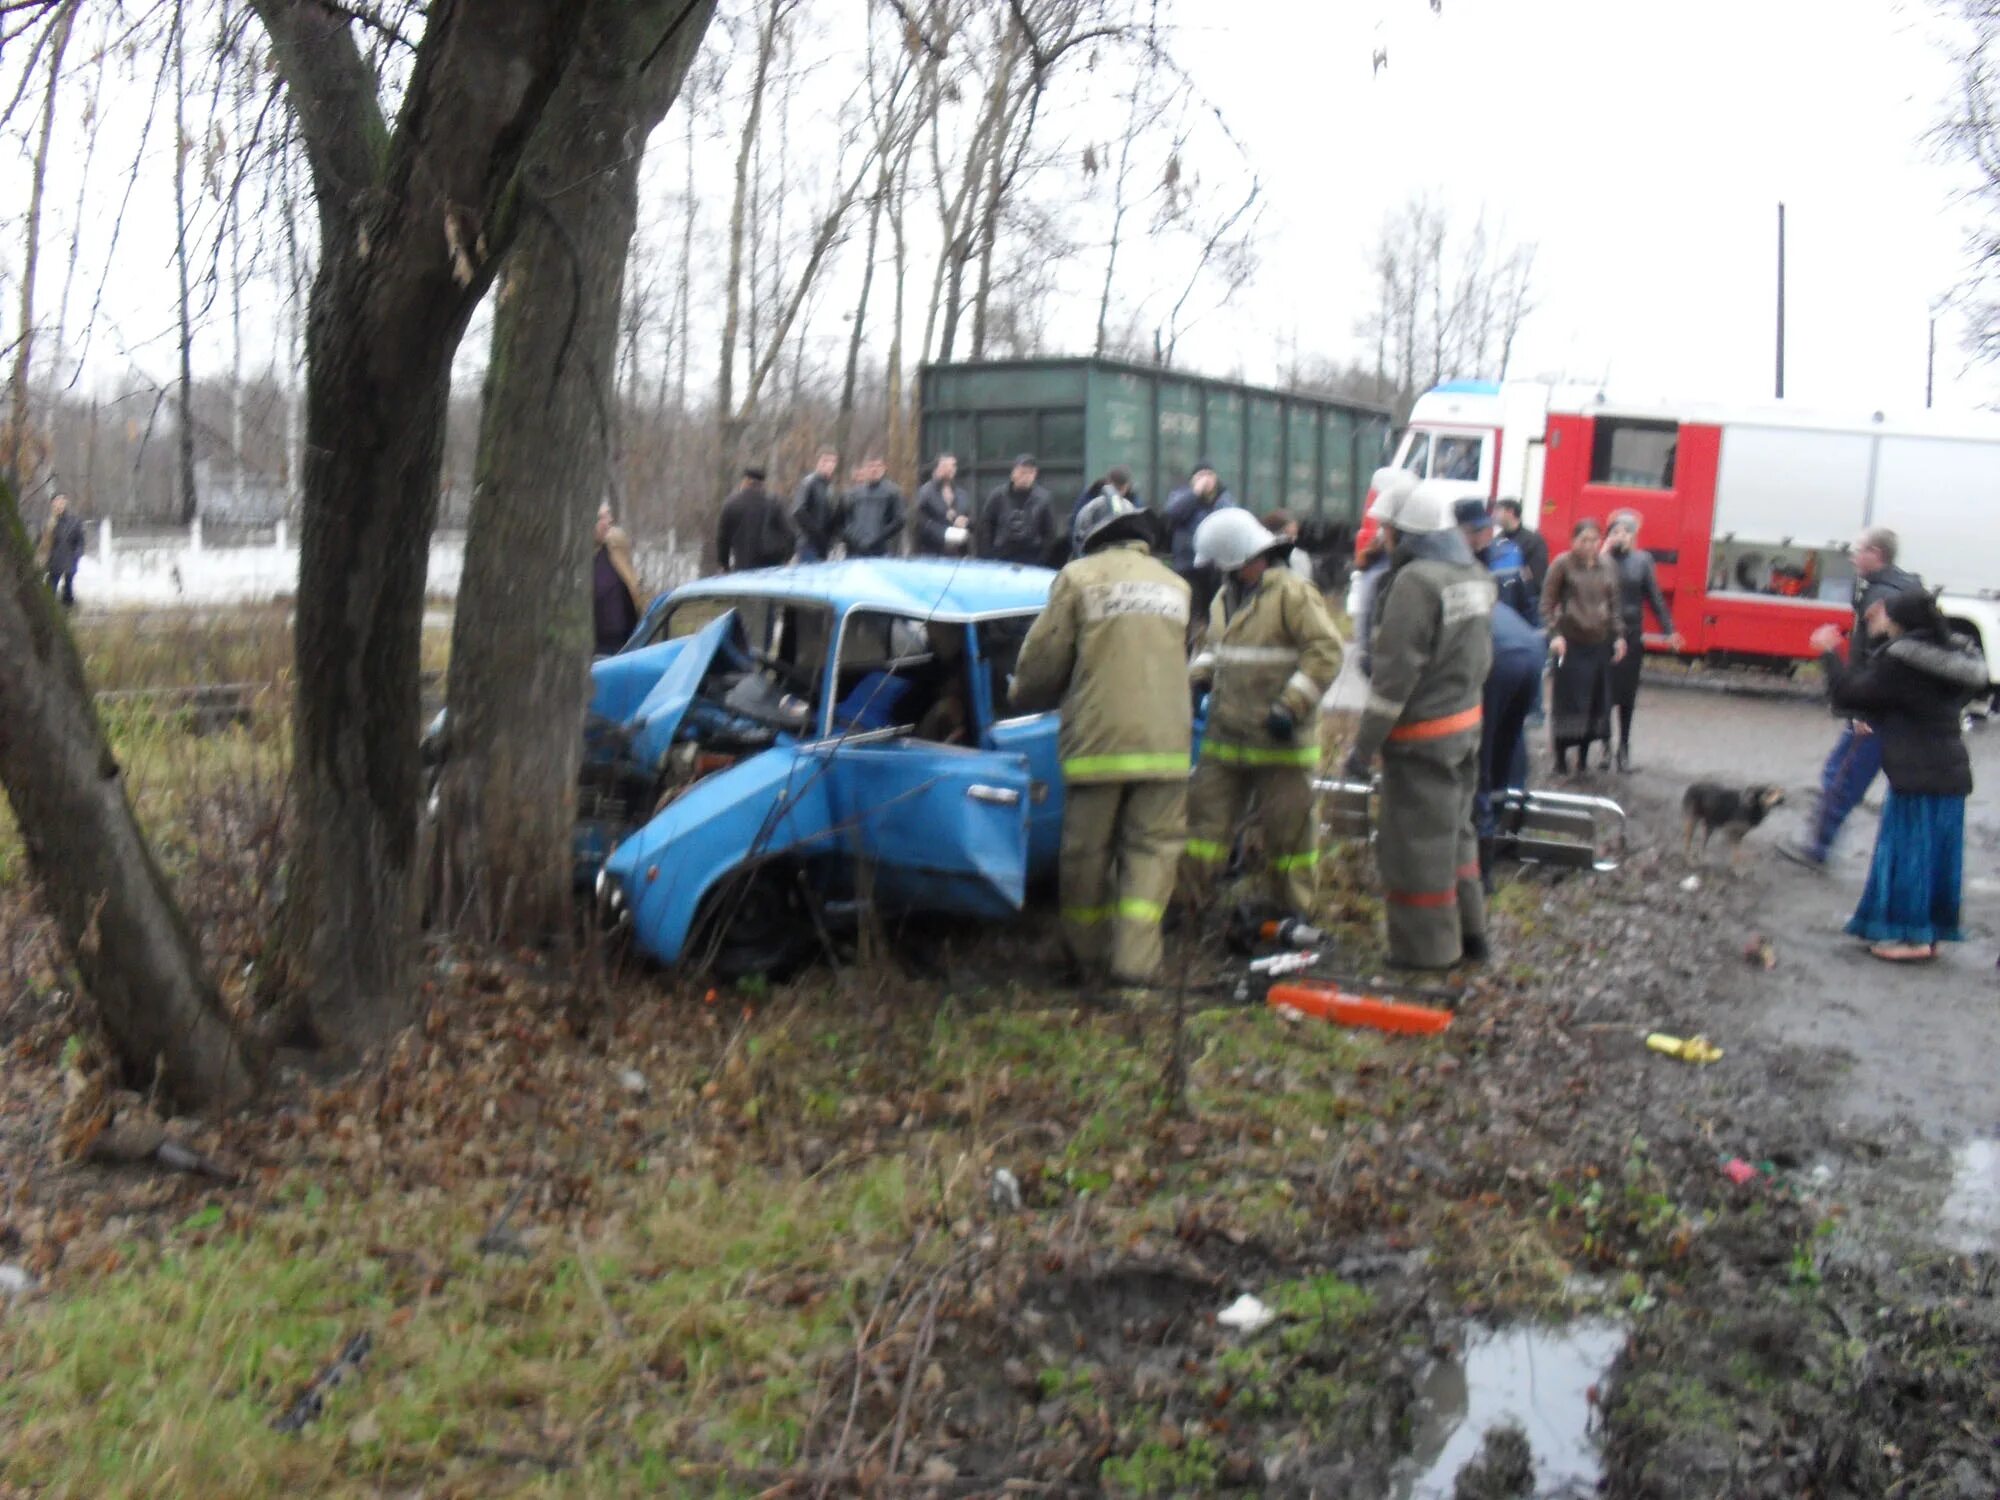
(1747,510)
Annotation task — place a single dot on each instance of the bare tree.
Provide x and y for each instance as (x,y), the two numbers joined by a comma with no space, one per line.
(1970,131)
(1449,301)
(20,446)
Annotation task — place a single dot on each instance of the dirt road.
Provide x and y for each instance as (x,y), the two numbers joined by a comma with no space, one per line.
(1914,1045)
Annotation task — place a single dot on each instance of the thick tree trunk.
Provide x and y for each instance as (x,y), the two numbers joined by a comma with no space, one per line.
(118,919)
(410,223)
(521,637)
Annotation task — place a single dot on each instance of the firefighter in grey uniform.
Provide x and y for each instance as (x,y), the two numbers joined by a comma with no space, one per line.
(1433,648)
(1110,648)
(1270,654)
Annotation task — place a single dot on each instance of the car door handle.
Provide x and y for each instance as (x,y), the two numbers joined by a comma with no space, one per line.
(999,796)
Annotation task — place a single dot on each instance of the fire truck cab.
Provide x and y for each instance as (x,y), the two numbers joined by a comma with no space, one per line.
(1749,511)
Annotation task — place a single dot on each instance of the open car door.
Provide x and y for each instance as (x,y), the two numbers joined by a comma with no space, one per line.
(933,827)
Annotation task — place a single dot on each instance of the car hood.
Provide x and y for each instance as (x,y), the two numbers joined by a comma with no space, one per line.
(647,692)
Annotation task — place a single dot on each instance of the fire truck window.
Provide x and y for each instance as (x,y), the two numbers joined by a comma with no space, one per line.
(1456,458)
(1635,454)
(1419,454)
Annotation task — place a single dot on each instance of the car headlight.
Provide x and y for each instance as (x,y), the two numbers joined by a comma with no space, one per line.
(610,895)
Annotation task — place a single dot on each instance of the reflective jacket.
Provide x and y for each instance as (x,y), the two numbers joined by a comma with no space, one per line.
(1277,644)
(1108,648)
(1433,647)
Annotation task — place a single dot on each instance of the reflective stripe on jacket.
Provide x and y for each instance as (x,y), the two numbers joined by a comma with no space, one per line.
(1109,648)
(1277,645)
(1433,648)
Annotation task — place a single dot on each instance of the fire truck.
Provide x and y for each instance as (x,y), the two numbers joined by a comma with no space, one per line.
(1748,510)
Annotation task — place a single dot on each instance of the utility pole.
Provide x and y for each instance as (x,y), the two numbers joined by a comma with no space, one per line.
(1781,301)
(1930,366)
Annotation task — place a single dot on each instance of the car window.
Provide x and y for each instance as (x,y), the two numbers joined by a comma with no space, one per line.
(900,671)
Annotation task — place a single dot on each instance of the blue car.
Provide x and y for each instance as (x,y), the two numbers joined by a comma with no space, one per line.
(776,751)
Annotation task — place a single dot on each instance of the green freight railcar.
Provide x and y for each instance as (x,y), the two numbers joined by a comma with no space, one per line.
(1307,454)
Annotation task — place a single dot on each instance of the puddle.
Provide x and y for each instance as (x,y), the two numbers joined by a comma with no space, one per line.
(1970,1218)
(1536,1378)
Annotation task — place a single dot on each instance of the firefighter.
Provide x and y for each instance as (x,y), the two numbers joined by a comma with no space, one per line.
(1433,648)
(1270,654)
(1109,648)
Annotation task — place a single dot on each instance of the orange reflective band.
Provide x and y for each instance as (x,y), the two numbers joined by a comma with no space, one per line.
(1437,729)
(1424,898)
(1468,872)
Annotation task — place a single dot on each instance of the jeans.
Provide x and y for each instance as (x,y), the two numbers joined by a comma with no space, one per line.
(1850,770)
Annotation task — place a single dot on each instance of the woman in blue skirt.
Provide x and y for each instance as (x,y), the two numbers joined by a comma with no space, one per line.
(1911,691)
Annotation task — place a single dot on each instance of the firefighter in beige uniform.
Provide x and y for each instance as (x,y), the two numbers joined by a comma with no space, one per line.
(1433,647)
(1270,654)
(1110,648)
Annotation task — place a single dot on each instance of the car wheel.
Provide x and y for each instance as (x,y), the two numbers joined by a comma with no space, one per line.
(757,923)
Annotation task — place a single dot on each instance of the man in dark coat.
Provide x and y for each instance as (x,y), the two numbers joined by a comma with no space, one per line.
(1857,755)
(1187,507)
(872,514)
(815,509)
(62,548)
(942,527)
(1534,546)
(754,531)
(1017,524)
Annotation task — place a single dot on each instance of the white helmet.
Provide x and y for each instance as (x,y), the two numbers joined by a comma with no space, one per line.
(1428,507)
(1392,487)
(1228,539)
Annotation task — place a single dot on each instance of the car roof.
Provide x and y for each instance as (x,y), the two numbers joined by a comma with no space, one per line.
(928,588)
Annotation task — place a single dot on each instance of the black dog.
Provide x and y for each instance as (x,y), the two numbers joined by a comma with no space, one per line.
(1710,806)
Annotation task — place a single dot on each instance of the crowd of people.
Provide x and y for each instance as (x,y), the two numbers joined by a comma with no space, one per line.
(1461,617)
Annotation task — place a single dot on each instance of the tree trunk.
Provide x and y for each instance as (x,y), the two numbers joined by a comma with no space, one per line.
(521,637)
(732,303)
(410,222)
(17,447)
(188,500)
(844,426)
(118,919)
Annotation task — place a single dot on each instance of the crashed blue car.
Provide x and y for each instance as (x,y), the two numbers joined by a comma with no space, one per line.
(777,751)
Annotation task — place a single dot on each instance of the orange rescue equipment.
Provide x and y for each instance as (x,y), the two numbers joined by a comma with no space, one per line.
(1317,997)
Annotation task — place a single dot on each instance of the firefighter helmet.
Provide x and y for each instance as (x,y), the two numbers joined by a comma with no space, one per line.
(1110,518)
(1227,539)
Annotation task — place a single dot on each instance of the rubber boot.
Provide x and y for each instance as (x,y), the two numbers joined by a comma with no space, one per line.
(1625,757)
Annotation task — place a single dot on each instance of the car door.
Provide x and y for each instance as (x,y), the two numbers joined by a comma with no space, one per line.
(1030,736)
(932,827)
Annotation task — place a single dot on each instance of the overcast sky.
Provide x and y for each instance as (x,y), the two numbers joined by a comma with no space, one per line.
(1644,144)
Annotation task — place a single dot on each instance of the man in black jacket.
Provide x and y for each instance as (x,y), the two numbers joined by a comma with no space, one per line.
(1857,755)
(1534,546)
(1017,524)
(62,549)
(872,514)
(753,531)
(942,528)
(815,509)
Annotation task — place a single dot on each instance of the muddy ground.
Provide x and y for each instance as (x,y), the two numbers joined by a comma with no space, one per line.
(979,1238)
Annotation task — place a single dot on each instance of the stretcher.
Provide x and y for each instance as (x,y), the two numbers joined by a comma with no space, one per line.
(1564,829)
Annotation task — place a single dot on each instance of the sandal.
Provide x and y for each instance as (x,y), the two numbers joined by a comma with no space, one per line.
(1903,953)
